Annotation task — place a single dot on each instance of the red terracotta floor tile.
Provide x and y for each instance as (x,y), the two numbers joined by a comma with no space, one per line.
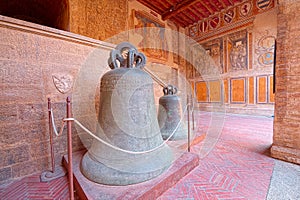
(236,167)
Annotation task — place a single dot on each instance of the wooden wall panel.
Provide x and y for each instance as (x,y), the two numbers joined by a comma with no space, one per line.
(251,90)
(261,89)
(238,90)
(214,91)
(201,91)
(271,94)
(226,91)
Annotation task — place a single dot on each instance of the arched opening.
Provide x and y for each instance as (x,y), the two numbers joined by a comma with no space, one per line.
(52,13)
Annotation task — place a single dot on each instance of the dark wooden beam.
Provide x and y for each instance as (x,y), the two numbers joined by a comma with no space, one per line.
(175,9)
(165,4)
(207,8)
(198,13)
(178,22)
(189,16)
(185,17)
(213,6)
(222,3)
(151,6)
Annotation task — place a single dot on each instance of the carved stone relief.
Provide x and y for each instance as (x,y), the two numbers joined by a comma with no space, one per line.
(63,82)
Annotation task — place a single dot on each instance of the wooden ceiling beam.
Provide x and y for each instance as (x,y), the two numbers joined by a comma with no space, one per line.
(207,8)
(223,4)
(199,13)
(189,16)
(165,4)
(231,2)
(214,6)
(186,18)
(177,8)
(183,18)
(151,6)
(170,2)
(179,22)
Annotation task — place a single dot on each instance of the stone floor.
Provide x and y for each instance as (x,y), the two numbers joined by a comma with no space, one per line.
(235,166)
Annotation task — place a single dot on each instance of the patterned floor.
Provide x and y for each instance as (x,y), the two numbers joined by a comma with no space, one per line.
(237,167)
(32,188)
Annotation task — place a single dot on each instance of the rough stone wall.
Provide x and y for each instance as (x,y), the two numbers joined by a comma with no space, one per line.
(98,19)
(286,138)
(30,57)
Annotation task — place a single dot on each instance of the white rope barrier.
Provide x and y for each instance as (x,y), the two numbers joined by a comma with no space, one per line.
(110,145)
(54,126)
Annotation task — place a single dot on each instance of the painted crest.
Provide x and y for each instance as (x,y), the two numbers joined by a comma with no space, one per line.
(265,50)
(214,22)
(193,30)
(63,82)
(266,58)
(263,4)
(203,26)
(245,9)
(229,15)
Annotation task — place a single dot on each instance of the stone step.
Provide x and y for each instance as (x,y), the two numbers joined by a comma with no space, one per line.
(151,189)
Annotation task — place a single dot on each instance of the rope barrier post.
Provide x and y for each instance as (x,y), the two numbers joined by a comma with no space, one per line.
(70,167)
(188,116)
(193,116)
(51,135)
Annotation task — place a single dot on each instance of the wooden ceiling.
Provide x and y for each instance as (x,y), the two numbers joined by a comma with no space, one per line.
(188,12)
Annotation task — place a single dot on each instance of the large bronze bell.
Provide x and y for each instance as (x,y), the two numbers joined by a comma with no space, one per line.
(127,121)
(170,115)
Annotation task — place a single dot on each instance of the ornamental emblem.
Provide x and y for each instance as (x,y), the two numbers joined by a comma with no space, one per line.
(214,22)
(245,9)
(263,4)
(265,50)
(194,31)
(266,58)
(203,26)
(228,16)
(63,83)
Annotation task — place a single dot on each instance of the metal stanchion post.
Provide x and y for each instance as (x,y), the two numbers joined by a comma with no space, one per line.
(70,167)
(56,171)
(188,116)
(193,116)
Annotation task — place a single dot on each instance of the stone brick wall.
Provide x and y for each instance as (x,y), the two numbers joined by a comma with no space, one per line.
(286,138)
(30,56)
(98,19)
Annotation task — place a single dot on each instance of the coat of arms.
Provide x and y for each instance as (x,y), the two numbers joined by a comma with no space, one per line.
(63,83)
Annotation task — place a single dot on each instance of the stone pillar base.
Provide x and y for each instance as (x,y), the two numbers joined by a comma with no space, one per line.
(286,154)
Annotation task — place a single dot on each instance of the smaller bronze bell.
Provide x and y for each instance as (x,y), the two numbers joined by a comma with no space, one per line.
(170,114)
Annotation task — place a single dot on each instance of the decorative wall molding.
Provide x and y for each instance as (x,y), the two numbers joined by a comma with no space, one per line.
(232,18)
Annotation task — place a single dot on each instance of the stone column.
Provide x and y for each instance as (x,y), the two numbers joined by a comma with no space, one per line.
(286,138)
